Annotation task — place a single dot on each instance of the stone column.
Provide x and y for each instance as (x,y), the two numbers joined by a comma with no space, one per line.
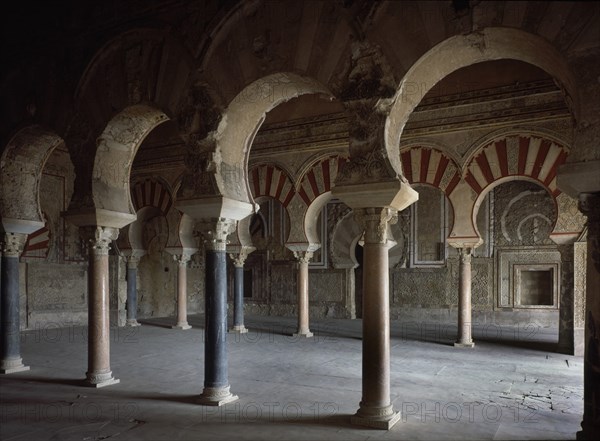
(303,258)
(99,373)
(238,294)
(132,270)
(216,384)
(350,293)
(375,407)
(589,204)
(10,349)
(465,339)
(182,261)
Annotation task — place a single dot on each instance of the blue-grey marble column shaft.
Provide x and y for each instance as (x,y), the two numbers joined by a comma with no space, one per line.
(132,270)
(10,344)
(216,383)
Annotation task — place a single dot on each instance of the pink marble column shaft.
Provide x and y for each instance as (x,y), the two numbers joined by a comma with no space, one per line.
(303,258)
(465,339)
(99,373)
(182,322)
(376,409)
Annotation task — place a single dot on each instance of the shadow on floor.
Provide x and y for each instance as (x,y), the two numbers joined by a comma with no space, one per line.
(64,381)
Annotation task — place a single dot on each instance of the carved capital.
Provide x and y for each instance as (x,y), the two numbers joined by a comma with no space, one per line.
(303,256)
(374,222)
(465,255)
(12,244)
(98,238)
(182,259)
(132,262)
(132,256)
(215,232)
(239,257)
(238,260)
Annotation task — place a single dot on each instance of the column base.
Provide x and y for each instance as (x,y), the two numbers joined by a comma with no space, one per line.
(132,323)
(377,418)
(464,345)
(216,396)
(241,329)
(306,334)
(181,326)
(12,366)
(100,380)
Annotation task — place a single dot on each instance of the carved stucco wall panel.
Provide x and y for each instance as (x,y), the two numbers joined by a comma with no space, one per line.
(570,219)
(21,165)
(580,256)
(420,288)
(55,294)
(326,286)
(524,214)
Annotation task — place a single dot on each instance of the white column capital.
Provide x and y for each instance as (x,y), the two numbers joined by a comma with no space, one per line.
(98,238)
(12,244)
(132,256)
(238,259)
(182,259)
(239,254)
(303,256)
(375,222)
(465,254)
(215,232)
(132,261)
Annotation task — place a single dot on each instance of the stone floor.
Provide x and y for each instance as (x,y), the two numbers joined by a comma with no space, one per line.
(512,385)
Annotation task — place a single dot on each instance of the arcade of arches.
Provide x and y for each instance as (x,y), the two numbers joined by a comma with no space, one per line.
(384,162)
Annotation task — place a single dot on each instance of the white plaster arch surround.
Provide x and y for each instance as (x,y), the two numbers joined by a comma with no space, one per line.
(117,146)
(135,230)
(312,215)
(459,51)
(242,120)
(186,232)
(286,211)
(21,166)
